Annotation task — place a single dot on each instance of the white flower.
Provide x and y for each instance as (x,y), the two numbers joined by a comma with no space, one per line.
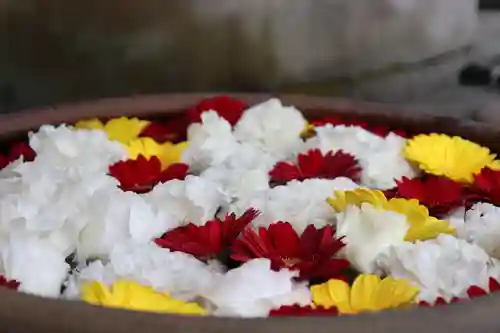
(113,216)
(272,126)
(244,172)
(77,153)
(444,267)
(382,166)
(381,159)
(368,232)
(177,273)
(36,264)
(253,289)
(95,271)
(350,139)
(482,227)
(194,199)
(210,142)
(298,202)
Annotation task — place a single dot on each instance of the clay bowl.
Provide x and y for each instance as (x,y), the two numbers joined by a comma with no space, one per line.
(20,313)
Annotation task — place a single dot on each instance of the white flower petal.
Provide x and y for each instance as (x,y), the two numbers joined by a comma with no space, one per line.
(368,232)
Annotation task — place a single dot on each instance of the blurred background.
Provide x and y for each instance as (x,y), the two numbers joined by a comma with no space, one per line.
(395,51)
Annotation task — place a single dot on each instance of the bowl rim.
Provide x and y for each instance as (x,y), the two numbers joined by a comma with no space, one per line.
(26,313)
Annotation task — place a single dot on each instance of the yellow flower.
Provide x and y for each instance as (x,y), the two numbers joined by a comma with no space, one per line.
(309,131)
(167,152)
(368,293)
(133,296)
(421,225)
(121,129)
(453,157)
(357,197)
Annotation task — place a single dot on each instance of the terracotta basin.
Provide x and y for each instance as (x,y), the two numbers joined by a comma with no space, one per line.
(20,313)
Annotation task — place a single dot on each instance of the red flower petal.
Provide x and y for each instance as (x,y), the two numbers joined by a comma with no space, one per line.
(209,240)
(17,150)
(439,194)
(227,107)
(175,130)
(486,187)
(311,253)
(439,301)
(475,291)
(142,174)
(381,131)
(494,285)
(297,311)
(9,284)
(313,164)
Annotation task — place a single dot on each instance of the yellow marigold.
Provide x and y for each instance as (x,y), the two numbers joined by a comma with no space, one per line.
(133,296)
(167,152)
(121,129)
(421,225)
(368,293)
(453,157)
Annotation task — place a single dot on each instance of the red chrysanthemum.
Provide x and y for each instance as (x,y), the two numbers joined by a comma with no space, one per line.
(175,130)
(439,194)
(311,253)
(227,107)
(381,131)
(486,187)
(142,174)
(314,164)
(9,284)
(17,150)
(209,240)
(303,311)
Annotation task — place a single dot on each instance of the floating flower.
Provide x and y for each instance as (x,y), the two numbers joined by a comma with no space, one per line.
(453,157)
(254,289)
(369,293)
(174,130)
(262,125)
(227,107)
(211,142)
(482,227)
(298,311)
(422,226)
(209,240)
(369,231)
(439,194)
(167,152)
(121,129)
(9,284)
(315,164)
(17,150)
(486,187)
(442,267)
(131,295)
(142,174)
(299,203)
(381,131)
(312,253)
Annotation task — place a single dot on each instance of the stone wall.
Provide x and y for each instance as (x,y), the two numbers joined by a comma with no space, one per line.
(58,50)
